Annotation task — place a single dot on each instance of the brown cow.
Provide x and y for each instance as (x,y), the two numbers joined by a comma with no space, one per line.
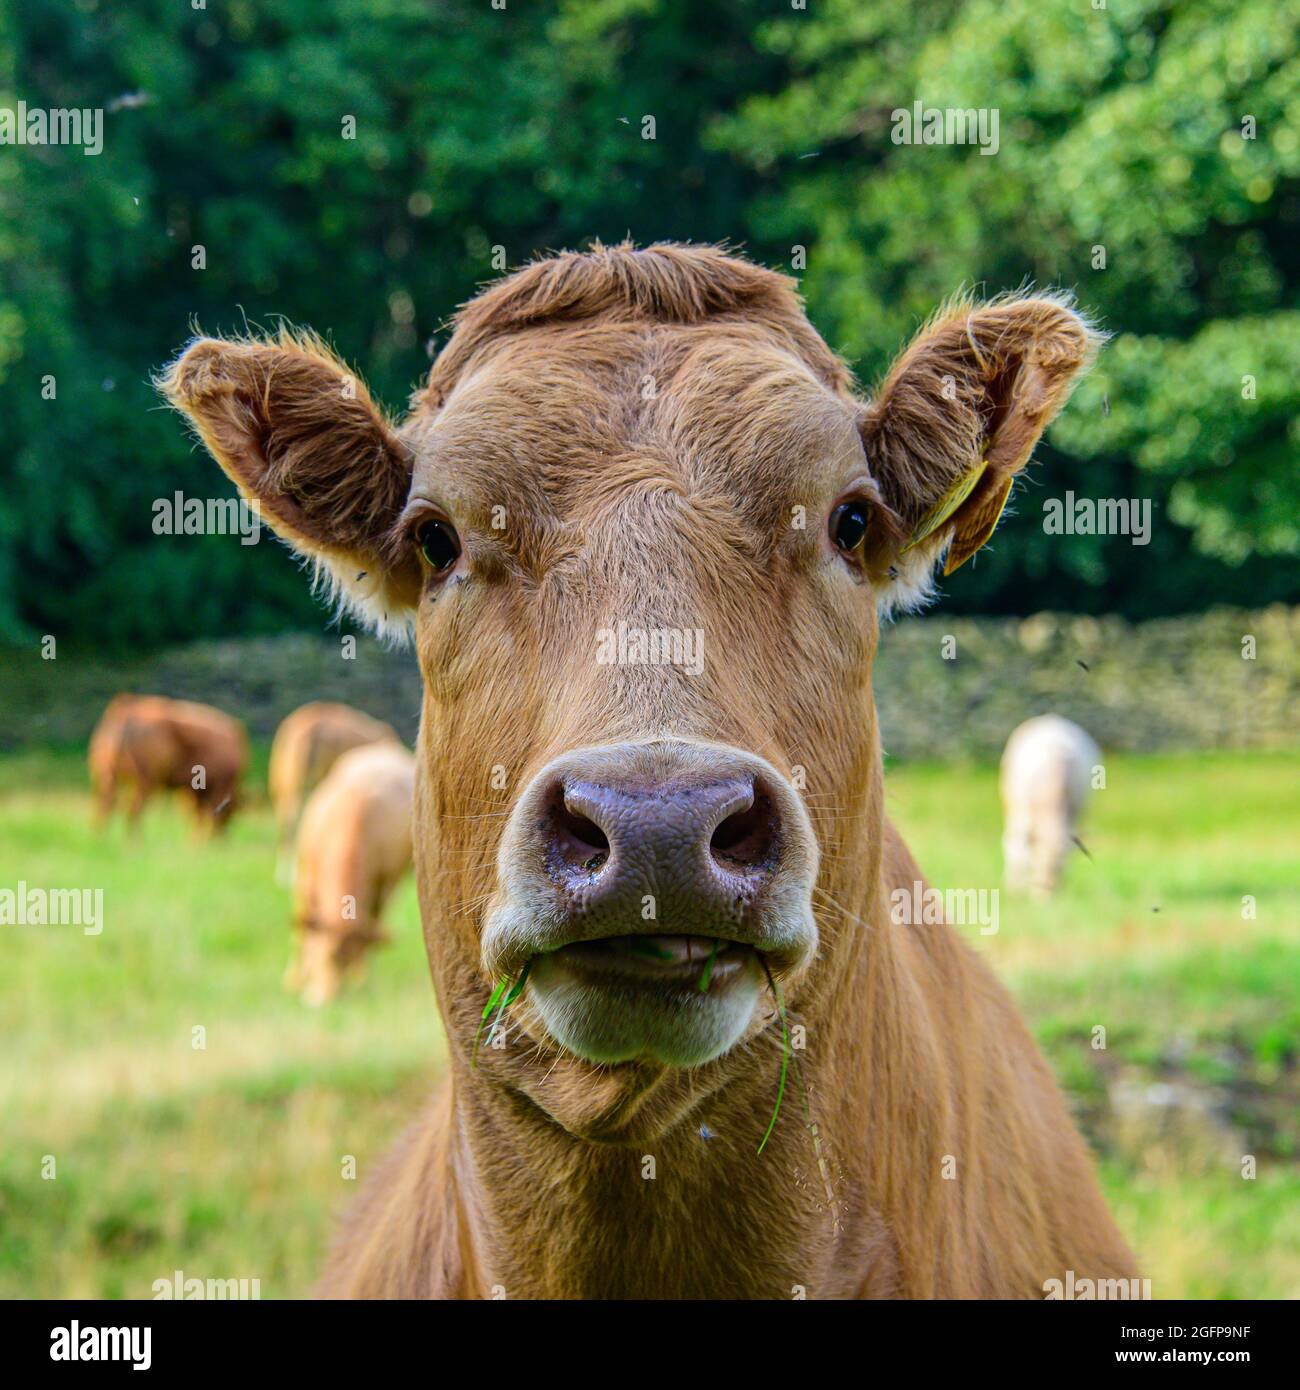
(306,745)
(151,744)
(354,847)
(623,461)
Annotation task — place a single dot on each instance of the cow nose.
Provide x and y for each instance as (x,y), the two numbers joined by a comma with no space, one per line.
(669,853)
(647,892)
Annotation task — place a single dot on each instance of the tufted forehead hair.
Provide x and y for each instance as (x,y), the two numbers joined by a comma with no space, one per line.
(667,283)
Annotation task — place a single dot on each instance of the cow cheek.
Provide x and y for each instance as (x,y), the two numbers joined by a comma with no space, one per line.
(473,754)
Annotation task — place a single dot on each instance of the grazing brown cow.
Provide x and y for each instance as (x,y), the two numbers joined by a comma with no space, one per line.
(354,847)
(151,744)
(643,527)
(306,745)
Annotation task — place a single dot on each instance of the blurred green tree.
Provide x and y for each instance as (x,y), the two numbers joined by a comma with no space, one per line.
(356,165)
(361,165)
(1147,159)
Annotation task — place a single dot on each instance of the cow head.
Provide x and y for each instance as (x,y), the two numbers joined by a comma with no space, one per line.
(642,528)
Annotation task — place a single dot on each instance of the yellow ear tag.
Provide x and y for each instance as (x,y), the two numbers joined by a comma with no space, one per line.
(946,505)
(975,530)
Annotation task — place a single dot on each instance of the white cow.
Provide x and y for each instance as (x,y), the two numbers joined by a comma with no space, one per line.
(1046,776)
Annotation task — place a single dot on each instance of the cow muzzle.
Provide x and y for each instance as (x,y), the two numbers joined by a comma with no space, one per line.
(651,891)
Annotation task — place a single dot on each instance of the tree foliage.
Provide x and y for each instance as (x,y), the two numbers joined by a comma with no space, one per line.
(231,191)
(1148,161)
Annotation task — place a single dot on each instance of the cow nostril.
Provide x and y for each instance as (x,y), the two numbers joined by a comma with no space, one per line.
(580,841)
(747,839)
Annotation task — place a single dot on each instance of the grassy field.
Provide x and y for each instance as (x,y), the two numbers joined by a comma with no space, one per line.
(227,1160)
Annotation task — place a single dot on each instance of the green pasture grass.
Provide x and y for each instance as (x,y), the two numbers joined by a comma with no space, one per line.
(233,1160)
(1152,934)
(226,1159)
(1150,941)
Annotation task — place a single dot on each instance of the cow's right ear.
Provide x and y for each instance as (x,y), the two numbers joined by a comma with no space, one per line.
(300,437)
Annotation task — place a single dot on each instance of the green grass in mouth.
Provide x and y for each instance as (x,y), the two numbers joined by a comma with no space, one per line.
(785,1054)
(515,991)
(647,948)
(703,986)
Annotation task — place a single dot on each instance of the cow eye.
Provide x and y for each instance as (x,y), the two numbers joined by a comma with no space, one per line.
(848,525)
(439,544)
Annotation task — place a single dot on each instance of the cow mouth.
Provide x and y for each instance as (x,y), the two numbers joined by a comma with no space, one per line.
(679,999)
(701,963)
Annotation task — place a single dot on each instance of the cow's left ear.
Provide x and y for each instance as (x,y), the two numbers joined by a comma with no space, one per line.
(959,414)
(299,435)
